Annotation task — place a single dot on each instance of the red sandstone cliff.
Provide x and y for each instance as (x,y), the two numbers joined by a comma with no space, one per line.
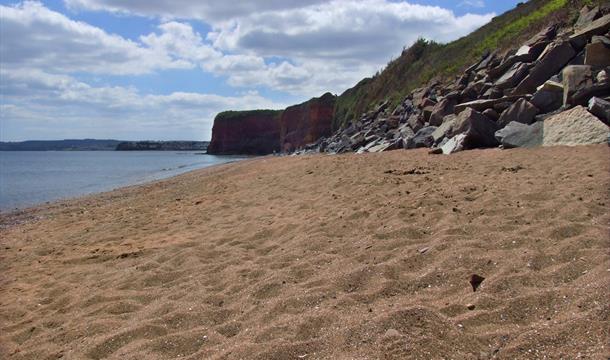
(260,132)
(307,122)
(254,132)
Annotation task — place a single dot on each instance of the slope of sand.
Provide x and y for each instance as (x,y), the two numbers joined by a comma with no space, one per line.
(321,257)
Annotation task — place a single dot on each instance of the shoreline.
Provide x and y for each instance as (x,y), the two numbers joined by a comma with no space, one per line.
(140,182)
(347,256)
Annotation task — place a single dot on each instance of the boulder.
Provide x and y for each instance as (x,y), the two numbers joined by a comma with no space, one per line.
(574,127)
(521,111)
(444,128)
(416,122)
(440,110)
(427,112)
(547,101)
(575,77)
(600,108)
(423,138)
(492,114)
(517,134)
(454,144)
(478,128)
(597,54)
(405,131)
(550,62)
(597,27)
(482,104)
(513,76)
(587,16)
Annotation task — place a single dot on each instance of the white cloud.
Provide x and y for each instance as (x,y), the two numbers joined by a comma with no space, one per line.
(34,36)
(318,41)
(36,104)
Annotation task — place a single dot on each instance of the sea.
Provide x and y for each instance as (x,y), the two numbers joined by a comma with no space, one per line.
(34,177)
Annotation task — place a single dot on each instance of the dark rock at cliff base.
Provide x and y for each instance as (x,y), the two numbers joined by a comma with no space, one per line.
(521,111)
(551,61)
(517,134)
(423,138)
(478,128)
(601,109)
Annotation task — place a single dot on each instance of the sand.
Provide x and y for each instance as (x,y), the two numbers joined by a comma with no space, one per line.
(321,257)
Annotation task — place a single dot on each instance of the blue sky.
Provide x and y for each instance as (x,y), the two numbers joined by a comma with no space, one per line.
(162,69)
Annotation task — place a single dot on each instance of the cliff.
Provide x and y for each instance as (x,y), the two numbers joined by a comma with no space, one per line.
(162,145)
(255,132)
(261,132)
(307,122)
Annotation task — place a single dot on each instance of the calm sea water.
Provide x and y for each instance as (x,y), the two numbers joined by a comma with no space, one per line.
(32,177)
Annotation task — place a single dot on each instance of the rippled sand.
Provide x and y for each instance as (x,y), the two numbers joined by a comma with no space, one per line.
(333,257)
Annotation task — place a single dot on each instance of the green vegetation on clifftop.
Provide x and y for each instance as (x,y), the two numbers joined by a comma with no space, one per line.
(230,115)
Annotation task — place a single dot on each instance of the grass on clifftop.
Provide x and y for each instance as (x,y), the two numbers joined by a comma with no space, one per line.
(426,60)
(231,115)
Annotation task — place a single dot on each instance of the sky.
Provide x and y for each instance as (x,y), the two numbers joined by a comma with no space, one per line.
(162,69)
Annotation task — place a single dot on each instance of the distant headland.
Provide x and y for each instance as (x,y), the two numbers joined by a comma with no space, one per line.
(102,145)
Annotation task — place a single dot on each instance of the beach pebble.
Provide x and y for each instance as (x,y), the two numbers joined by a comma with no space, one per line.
(470,306)
(391,333)
(475,281)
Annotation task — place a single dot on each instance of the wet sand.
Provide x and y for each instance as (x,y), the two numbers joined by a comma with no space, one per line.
(321,257)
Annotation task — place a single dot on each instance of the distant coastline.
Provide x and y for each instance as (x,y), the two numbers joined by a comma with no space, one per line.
(163,145)
(102,145)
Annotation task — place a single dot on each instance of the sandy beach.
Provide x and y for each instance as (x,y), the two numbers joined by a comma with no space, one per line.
(321,257)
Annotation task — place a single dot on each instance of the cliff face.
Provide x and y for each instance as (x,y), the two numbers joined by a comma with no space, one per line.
(245,132)
(307,122)
(261,132)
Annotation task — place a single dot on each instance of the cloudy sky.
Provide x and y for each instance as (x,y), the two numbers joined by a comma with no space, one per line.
(162,69)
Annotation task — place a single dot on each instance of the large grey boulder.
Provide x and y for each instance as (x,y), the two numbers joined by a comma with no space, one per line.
(574,127)
(600,108)
(548,97)
(423,138)
(521,111)
(441,132)
(550,62)
(478,128)
(416,122)
(440,110)
(513,76)
(454,144)
(517,134)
